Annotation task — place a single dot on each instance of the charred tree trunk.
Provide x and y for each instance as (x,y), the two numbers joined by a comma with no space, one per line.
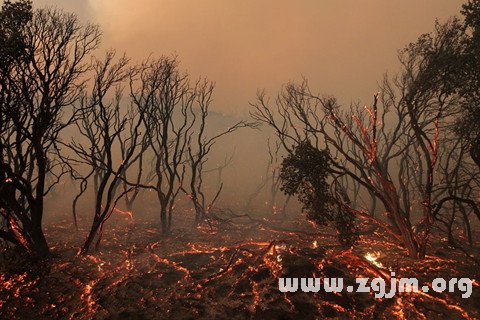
(90,238)
(39,243)
(164,225)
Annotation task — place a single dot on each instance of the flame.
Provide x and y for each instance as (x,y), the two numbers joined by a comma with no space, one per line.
(243,267)
(372,257)
(87,296)
(398,308)
(127,213)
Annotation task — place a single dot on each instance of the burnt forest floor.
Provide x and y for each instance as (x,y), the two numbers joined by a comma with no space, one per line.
(226,270)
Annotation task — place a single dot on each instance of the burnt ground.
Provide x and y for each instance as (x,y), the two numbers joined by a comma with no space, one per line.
(223,271)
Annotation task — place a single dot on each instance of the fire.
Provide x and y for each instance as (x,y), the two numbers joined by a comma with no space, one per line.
(127,213)
(372,257)
(398,308)
(87,296)
(197,267)
(17,230)
(280,247)
(256,295)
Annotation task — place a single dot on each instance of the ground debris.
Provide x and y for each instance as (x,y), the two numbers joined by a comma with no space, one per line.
(226,275)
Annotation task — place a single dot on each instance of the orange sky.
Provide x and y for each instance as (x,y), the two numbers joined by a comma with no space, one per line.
(342,46)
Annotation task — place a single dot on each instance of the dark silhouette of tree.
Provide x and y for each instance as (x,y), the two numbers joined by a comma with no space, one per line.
(165,97)
(467,66)
(305,172)
(40,82)
(275,180)
(430,102)
(199,146)
(175,118)
(270,182)
(114,140)
(364,150)
(455,205)
(451,61)
(14,17)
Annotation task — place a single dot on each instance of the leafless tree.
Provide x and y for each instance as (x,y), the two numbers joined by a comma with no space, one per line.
(220,167)
(114,140)
(270,182)
(275,182)
(38,90)
(175,115)
(165,97)
(199,146)
(391,147)
(455,195)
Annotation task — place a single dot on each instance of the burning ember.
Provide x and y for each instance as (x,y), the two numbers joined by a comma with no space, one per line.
(373,257)
(137,274)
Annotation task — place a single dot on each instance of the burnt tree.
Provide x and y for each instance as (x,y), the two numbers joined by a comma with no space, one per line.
(110,140)
(199,146)
(165,97)
(42,76)
(390,149)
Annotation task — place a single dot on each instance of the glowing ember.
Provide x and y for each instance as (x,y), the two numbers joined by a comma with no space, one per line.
(87,297)
(373,257)
(126,213)
(184,273)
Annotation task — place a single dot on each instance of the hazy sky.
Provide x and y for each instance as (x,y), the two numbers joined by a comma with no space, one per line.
(342,46)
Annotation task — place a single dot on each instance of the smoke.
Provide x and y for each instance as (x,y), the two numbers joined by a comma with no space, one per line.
(80,7)
(342,47)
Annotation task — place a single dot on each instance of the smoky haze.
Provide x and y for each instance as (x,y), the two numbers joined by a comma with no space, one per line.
(180,159)
(342,47)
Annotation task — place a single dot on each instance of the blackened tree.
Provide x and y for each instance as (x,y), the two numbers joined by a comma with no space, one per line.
(165,97)
(389,149)
(114,140)
(199,146)
(467,72)
(45,51)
